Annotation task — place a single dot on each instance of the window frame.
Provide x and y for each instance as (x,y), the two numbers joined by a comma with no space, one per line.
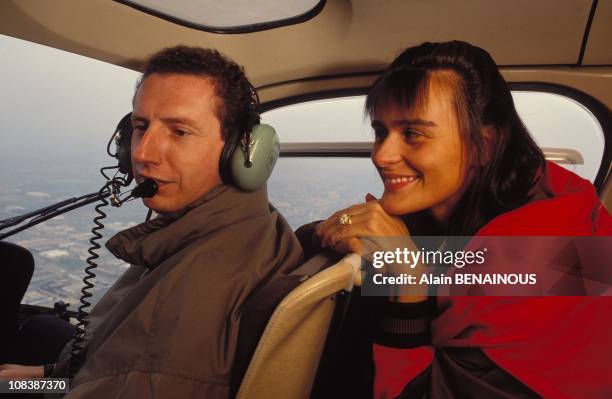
(250,28)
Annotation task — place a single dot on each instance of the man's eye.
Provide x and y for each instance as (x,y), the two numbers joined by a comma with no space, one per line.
(139,128)
(180,133)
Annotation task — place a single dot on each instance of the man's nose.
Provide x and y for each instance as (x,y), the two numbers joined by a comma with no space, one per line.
(147,147)
(387,152)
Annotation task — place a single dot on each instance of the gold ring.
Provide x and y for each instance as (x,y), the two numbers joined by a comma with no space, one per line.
(345,219)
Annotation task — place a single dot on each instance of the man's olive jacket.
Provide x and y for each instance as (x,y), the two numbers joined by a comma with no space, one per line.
(168,327)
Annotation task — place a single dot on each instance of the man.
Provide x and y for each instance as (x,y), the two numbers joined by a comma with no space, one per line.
(169,325)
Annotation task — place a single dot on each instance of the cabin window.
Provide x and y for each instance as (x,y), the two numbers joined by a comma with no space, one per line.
(58,112)
(231,16)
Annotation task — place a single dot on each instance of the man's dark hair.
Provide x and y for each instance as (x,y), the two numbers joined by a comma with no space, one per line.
(237,110)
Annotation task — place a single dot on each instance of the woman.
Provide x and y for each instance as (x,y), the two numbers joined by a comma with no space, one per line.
(456,160)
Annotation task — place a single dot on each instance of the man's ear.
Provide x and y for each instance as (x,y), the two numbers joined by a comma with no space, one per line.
(489,135)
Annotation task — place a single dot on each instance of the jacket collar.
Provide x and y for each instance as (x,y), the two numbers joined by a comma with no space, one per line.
(150,243)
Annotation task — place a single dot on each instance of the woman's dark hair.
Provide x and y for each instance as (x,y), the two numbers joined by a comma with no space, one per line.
(481,99)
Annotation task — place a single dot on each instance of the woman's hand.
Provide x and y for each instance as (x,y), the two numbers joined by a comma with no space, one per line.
(14,371)
(364,220)
(370,220)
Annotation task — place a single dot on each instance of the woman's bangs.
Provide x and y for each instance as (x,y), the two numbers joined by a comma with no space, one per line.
(405,88)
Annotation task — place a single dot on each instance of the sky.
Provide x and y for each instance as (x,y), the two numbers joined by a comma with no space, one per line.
(51,110)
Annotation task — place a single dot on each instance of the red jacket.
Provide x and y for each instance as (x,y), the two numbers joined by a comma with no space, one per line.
(559,346)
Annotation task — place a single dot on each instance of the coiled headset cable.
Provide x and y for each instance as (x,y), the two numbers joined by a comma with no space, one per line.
(76,355)
(146,189)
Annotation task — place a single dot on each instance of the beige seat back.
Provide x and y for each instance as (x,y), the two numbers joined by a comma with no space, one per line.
(285,362)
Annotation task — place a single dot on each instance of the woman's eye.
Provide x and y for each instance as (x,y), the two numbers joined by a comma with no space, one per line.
(410,134)
(139,129)
(380,134)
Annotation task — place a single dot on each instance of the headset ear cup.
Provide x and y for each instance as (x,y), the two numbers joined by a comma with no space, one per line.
(123,143)
(263,153)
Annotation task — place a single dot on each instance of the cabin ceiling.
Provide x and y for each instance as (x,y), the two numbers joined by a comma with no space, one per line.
(346,37)
(598,50)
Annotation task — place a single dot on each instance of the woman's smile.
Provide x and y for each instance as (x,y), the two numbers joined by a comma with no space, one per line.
(397,182)
(419,152)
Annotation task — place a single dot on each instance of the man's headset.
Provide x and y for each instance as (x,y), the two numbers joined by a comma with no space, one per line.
(247,159)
